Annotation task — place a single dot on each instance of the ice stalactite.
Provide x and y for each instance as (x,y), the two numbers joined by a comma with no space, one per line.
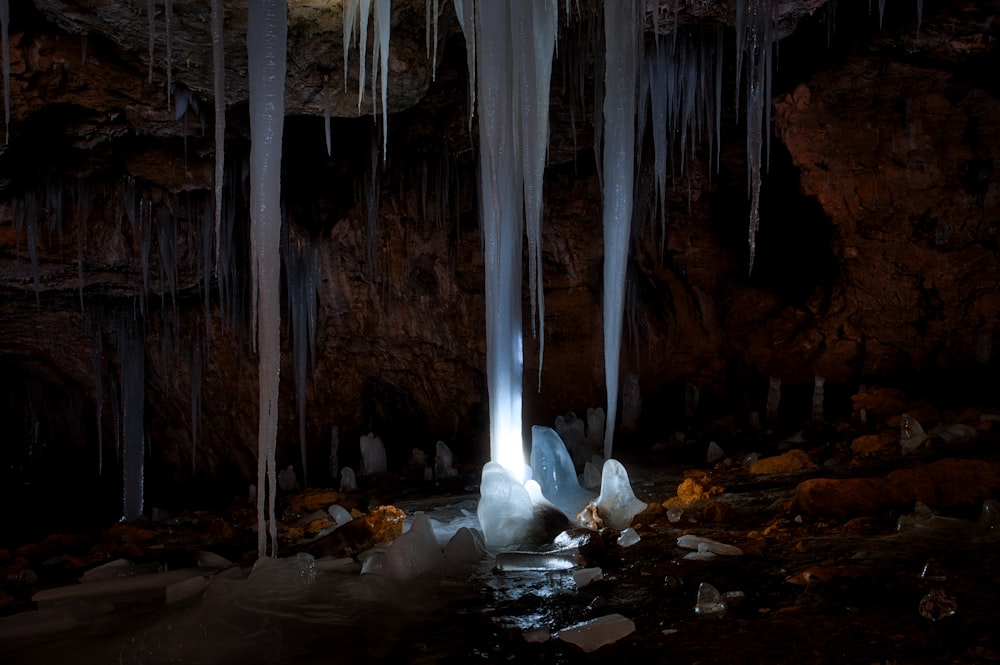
(267,35)
(881,12)
(621,34)
(465,10)
(383,24)
(326,115)
(151,26)
(755,35)
(95,320)
(302,278)
(81,196)
(364,11)
(146,244)
(535,38)
(168,17)
(196,371)
(5,47)
(433,11)
(26,217)
(166,238)
(350,18)
(219,92)
(132,360)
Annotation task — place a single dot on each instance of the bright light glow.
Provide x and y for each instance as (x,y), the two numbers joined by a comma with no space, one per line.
(510,451)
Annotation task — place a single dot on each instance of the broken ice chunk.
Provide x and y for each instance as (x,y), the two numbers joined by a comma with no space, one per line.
(715,453)
(617,504)
(692,542)
(628,537)
(710,602)
(911,434)
(596,633)
(339,514)
(560,560)
(703,554)
(586,576)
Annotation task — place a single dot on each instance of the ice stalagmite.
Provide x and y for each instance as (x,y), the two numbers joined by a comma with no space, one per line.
(535,39)
(267,35)
(5,46)
(621,34)
(759,20)
(219,91)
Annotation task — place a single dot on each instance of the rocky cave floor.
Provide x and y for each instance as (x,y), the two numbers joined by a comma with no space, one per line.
(833,570)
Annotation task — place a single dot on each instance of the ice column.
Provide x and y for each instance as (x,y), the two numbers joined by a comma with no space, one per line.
(621,63)
(267,33)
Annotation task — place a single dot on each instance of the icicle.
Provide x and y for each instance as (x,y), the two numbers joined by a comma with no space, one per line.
(371,194)
(621,34)
(29,211)
(434,59)
(920,13)
(168,15)
(326,114)
(267,34)
(465,10)
(535,36)
(96,319)
(350,17)
(146,229)
(881,13)
(81,214)
(383,18)
(206,269)
(196,367)
(5,47)
(219,91)
(758,45)
(151,19)
(132,358)
(83,47)
(365,8)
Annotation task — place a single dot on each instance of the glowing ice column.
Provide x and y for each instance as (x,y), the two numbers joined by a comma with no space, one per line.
(501,200)
(621,64)
(267,33)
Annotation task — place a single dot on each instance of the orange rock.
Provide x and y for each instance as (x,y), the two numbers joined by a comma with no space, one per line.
(714,511)
(874,443)
(691,491)
(311,500)
(792,461)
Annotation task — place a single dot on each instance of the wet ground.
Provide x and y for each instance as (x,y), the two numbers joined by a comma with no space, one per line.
(894,586)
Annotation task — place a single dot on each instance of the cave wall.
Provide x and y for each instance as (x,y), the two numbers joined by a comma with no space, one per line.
(877,250)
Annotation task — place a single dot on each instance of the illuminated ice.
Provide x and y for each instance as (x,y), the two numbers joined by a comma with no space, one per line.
(628,538)
(505,508)
(553,469)
(617,504)
(339,514)
(586,576)
(710,602)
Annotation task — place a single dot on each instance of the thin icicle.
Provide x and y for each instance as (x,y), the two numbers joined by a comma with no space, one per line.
(196,367)
(168,16)
(881,13)
(132,359)
(151,22)
(758,44)
(219,91)
(465,10)
(326,114)
(383,24)
(434,57)
(365,11)
(5,47)
(535,38)
(267,34)
(350,18)
(920,13)
(81,213)
(29,209)
(621,66)
(95,317)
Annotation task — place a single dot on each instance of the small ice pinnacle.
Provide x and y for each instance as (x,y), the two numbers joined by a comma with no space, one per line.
(628,538)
